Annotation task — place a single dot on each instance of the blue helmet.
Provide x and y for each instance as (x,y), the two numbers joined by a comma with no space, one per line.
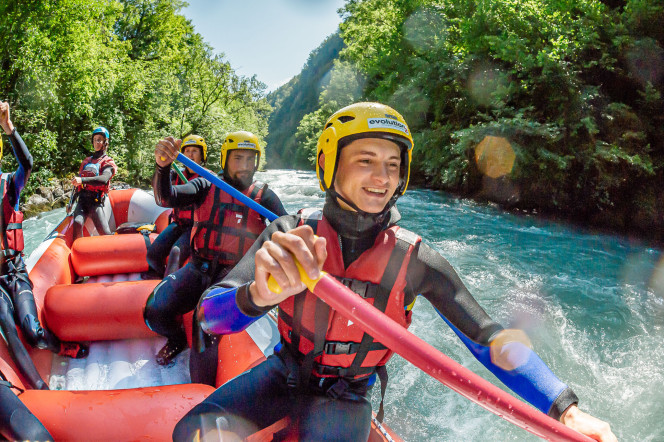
(101,130)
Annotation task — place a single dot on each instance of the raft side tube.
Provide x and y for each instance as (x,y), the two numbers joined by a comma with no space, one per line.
(148,413)
(110,254)
(99,311)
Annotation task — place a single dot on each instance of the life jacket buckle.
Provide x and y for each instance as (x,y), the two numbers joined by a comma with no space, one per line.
(361,288)
(337,348)
(337,389)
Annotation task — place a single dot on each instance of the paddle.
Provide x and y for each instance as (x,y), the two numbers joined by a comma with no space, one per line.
(409,346)
(232,191)
(180,174)
(433,362)
(72,200)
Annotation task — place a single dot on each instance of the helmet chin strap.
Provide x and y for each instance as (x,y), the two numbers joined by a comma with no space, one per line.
(358,222)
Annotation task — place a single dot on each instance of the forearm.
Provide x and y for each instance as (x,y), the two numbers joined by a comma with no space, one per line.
(99,180)
(227,307)
(22,155)
(220,311)
(525,374)
(167,195)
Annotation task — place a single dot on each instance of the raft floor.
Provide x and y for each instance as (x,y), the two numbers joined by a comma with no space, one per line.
(113,365)
(130,363)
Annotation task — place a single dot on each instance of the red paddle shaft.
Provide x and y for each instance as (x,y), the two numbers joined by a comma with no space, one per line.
(436,364)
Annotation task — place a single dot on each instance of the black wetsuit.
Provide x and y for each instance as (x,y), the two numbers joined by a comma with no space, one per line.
(179,292)
(16,421)
(91,203)
(269,392)
(17,302)
(175,235)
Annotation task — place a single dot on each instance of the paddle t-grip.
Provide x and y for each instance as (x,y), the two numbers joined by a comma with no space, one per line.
(274,286)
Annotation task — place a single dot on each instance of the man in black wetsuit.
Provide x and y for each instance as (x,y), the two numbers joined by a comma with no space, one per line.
(92,185)
(222,232)
(320,376)
(17,302)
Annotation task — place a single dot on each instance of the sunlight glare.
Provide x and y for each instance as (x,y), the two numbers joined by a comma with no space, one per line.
(511,349)
(494,156)
(487,85)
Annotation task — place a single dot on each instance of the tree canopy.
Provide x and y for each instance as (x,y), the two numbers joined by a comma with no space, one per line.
(574,87)
(136,67)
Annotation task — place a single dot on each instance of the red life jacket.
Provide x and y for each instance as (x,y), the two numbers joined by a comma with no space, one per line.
(224,228)
(334,345)
(11,220)
(100,164)
(184,216)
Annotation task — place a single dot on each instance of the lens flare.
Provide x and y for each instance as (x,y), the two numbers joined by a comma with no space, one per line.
(214,428)
(645,59)
(657,279)
(488,85)
(343,83)
(425,28)
(494,156)
(510,349)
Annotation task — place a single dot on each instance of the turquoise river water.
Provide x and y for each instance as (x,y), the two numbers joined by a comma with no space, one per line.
(592,305)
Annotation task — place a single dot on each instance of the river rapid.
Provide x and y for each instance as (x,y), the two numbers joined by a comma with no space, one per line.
(592,305)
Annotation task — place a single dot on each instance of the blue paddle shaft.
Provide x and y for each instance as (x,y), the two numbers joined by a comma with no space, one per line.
(232,191)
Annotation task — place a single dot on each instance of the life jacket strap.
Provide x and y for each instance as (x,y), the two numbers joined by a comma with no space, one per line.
(347,348)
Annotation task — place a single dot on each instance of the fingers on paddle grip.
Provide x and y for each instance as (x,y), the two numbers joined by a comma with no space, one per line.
(274,286)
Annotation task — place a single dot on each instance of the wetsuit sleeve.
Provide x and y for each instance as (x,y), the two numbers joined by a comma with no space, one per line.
(271,202)
(103,178)
(167,195)
(226,307)
(532,379)
(24,160)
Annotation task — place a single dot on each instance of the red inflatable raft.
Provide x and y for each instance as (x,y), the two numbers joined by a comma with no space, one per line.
(91,290)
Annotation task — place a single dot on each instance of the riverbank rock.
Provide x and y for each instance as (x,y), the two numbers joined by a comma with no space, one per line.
(53,196)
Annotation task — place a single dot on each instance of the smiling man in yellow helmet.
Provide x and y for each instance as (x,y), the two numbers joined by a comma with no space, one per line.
(223,230)
(321,374)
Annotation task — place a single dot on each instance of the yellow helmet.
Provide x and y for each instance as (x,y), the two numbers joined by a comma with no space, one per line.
(240,140)
(195,140)
(362,120)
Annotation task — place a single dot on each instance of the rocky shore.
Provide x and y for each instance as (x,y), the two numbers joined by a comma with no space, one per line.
(52,196)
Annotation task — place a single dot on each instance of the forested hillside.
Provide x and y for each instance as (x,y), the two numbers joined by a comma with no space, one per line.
(551,106)
(294,100)
(136,67)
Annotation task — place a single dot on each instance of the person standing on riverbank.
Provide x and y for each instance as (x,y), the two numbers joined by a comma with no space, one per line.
(321,375)
(92,185)
(223,231)
(17,302)
(174,239)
